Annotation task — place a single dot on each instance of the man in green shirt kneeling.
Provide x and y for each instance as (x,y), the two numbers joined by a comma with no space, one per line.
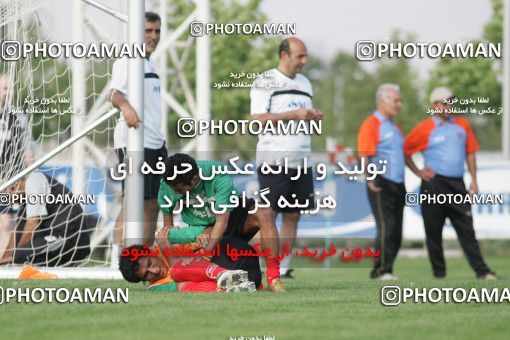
(208,193)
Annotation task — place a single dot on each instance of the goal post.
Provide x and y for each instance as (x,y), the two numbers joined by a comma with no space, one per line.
(133,222)
(57,109)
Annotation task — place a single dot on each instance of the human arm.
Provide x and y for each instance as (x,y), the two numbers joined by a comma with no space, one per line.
(471,164)
(260,106)
(368,137)
(166,203)
(472,147)
(168,221)
(118,100)
(166,236)
(118,91)
(185,235)
(217,231)
(35,184)
(426,173)
(417,141)
(370,183)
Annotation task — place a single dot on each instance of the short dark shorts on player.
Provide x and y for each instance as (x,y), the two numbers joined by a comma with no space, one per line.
(282,185)
(150,181)
(237,220)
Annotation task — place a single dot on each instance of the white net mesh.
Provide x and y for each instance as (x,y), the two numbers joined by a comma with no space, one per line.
(36,116)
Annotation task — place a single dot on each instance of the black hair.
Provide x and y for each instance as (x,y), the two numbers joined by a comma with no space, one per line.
(176,162)
(152,17)
(129,268)
(284,47)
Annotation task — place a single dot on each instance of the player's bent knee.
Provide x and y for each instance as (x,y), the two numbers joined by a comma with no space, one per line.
(5,222)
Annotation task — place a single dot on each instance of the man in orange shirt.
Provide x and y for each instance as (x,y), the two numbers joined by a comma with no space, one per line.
(446,143)
(381,142)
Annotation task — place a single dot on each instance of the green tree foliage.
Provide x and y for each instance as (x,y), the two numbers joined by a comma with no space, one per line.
(345,92)
(493,30)
(229,54)
(36,78)
(477,77)
(342,90)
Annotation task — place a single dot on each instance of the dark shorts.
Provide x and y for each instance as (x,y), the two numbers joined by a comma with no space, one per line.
(150,181)
(282,185)
(237,220)
(247,263)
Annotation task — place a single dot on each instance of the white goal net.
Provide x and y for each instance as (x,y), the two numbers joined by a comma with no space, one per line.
(40,110)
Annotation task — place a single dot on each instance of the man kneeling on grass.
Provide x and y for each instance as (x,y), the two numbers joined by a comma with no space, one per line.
(196,274)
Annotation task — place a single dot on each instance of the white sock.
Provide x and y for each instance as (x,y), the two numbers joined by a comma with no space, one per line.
(115,256)
(285,264)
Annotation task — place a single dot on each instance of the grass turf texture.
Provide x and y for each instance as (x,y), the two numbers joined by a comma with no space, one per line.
(320,304)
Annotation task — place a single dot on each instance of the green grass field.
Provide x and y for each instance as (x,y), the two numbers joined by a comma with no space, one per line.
(320,304)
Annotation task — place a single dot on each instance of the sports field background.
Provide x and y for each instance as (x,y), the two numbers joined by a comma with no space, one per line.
(320,304)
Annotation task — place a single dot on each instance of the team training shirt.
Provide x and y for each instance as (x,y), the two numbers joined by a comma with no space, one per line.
(444,145)
(290,94)
(153,138)
(217,190)
(379,138)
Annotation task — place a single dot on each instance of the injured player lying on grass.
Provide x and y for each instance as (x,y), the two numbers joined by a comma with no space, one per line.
(190,274)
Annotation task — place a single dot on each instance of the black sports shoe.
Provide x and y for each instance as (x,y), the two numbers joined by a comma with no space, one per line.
(288,274)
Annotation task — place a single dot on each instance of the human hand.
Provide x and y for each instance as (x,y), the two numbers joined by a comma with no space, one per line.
(203,240)
(373,187)
(130,117)
(162,238)
(317,114)
(473,188)
(304,114)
